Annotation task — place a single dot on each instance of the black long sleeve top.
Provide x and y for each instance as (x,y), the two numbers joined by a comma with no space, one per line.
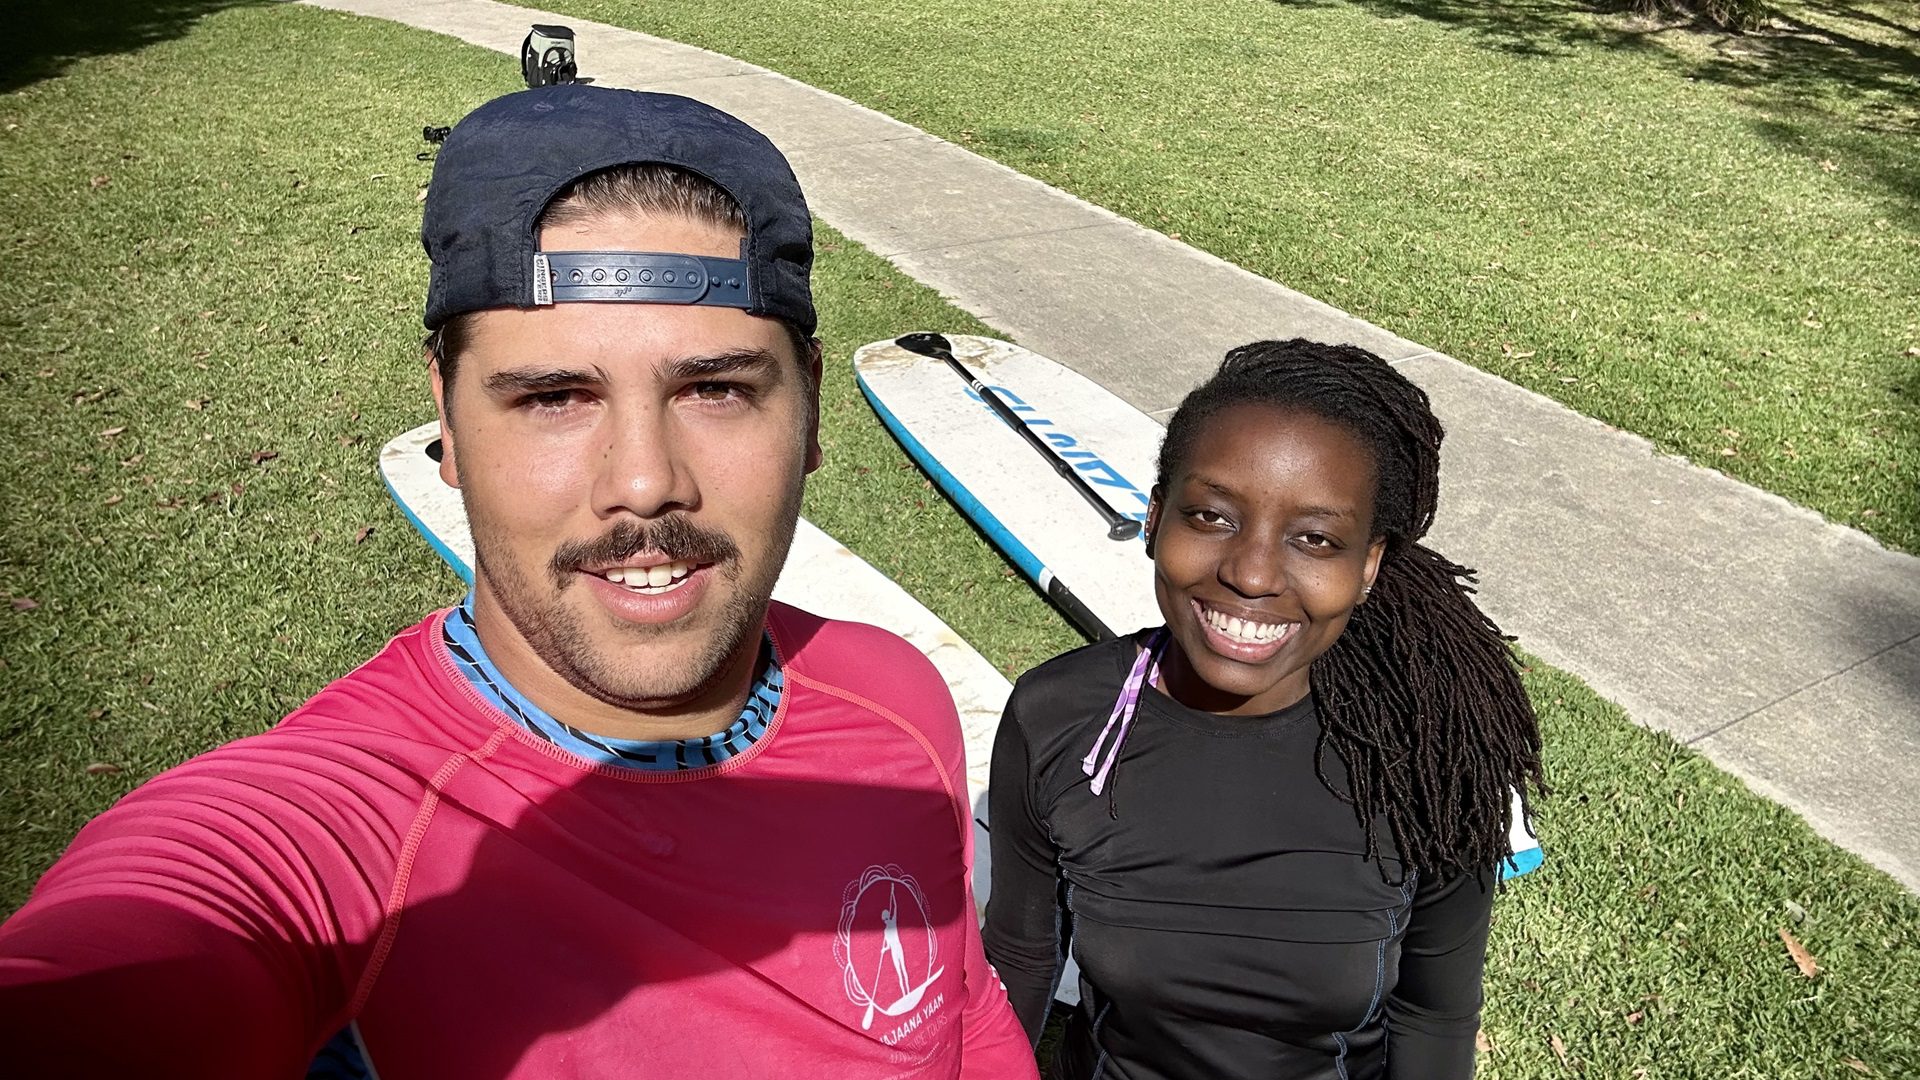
(1226,922)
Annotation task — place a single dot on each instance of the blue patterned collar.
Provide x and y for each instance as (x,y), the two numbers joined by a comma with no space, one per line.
(668,756)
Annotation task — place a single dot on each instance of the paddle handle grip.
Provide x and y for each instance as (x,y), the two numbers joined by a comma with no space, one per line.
(1076,612)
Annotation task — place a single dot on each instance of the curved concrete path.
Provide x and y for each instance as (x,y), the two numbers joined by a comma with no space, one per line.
(1785,648)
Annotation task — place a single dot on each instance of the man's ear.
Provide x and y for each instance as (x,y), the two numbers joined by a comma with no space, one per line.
(449,471)
(1153,518)
(814,371)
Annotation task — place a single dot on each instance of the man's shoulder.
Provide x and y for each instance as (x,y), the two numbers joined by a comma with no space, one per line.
(871,669)
(367,744)
(865,660)
(302,824)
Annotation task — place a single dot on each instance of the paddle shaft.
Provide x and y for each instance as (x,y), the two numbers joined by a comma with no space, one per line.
(1119,528)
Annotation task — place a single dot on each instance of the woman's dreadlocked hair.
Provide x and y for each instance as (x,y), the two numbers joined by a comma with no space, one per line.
(1419,696)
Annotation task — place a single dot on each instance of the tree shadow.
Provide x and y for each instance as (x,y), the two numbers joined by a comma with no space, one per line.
(45,37)
(1833,81)
(1555,28)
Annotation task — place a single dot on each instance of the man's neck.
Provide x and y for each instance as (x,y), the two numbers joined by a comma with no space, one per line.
(711,709)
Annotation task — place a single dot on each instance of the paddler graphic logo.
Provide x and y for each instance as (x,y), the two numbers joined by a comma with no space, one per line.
(889,979)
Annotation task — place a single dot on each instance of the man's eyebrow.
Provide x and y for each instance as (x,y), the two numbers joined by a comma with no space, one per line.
(540,380)
(731,362)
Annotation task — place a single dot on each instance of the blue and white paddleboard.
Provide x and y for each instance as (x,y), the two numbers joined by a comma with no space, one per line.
(821,576)
(1008,489)
(1013,494)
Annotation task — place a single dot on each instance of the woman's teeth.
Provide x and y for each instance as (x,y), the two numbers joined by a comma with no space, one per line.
(650,579)
(1245,631)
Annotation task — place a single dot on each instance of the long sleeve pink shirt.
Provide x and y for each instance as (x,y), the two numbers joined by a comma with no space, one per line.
(400,860)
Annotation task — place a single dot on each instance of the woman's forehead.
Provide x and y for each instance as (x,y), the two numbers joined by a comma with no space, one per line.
(1250,450)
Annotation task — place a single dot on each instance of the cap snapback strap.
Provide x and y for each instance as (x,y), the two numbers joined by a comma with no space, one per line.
(639,277)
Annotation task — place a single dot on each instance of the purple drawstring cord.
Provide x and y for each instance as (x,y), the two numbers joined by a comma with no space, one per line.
(1146,669)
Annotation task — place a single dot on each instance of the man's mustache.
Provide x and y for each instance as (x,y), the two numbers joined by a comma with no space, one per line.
(679,539)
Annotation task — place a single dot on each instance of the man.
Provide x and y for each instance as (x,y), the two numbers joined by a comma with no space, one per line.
(615,814)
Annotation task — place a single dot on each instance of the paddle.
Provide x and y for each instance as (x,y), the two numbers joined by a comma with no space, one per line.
(937,347)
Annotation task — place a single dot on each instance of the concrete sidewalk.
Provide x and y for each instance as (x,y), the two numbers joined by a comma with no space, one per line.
(1784,648)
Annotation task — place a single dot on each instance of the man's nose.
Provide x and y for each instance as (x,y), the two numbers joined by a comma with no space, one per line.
(642,470)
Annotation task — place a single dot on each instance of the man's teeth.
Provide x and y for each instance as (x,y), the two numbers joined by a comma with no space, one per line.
(650,579)
(1246,631)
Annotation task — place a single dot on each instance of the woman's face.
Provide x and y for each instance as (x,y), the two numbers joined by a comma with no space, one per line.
(1263,543)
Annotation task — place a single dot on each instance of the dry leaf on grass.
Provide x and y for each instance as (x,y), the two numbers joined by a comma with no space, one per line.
(261,457)
(361,536)
(102,768)
(1859,1066)
(113,432)
(1802,959)
(1559,1050)
(1481,1042)
(25,603)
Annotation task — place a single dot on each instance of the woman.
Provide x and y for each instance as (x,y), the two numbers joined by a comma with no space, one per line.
(1269,831)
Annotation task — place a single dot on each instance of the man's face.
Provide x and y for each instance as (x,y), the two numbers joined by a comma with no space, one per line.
(632,474)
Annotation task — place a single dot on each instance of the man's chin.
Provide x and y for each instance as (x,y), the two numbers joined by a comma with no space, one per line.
(662,669)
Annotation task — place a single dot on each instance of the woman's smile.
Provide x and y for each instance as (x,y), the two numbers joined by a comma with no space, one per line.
(1262,548)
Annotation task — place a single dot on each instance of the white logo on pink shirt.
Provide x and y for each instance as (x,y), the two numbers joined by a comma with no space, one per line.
(892,977)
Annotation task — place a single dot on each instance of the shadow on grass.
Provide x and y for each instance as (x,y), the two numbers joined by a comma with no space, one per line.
(43,38)
(1830,80)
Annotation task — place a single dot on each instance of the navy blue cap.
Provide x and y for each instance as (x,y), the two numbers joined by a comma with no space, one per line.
(508,159)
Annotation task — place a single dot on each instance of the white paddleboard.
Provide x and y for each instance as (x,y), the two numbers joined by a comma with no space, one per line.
(820,576)
(1012,493)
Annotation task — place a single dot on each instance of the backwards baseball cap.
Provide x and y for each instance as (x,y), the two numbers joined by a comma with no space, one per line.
(502,165)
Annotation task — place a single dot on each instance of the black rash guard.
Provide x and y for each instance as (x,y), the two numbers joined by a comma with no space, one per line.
(1227,922)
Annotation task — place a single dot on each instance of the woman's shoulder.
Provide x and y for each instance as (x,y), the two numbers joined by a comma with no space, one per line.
(1101,662)
(1072,685)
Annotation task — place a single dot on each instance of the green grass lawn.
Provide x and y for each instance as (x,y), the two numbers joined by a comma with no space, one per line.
(1710,241)
(211,324)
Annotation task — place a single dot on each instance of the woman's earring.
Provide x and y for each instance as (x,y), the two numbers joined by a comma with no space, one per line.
(1366,591)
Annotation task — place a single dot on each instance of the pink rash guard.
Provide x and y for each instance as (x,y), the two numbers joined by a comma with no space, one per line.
(400,859)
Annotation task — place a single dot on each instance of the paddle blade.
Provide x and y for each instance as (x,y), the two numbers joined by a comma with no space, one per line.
(934,345)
